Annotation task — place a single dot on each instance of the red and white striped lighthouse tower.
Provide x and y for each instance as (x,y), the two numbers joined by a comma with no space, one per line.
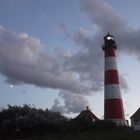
(113,104)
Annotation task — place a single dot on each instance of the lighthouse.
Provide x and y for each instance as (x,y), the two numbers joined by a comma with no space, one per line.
(113,104)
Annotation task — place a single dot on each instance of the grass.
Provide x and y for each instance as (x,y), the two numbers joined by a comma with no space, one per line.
(112,135)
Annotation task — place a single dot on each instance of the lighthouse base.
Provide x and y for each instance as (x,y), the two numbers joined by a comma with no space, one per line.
(119,122)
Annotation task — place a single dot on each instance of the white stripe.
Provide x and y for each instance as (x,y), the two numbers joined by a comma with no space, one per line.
(110,63)
(112,91)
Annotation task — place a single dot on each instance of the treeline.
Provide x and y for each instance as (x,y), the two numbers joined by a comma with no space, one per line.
(27,120)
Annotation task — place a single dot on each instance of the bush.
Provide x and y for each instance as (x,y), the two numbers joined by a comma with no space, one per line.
(27,120)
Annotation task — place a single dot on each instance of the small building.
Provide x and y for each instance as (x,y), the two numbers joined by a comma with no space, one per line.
(135,120)
(88,116)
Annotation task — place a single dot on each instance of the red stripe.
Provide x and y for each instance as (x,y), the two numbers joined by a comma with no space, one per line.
(114,109)
(109,52)
(111,77)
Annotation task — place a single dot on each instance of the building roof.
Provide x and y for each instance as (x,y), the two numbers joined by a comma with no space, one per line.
(88,115)
(136,115)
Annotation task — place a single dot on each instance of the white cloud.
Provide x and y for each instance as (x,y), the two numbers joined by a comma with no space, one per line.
(72,103)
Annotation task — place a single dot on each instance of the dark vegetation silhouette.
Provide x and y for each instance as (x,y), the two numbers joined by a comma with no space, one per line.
(24,121)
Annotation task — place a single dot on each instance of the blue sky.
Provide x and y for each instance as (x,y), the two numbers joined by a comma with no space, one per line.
(51,52)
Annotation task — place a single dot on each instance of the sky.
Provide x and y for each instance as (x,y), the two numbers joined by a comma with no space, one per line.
(51,53)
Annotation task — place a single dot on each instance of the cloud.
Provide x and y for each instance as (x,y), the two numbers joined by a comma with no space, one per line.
(104,17)
(123,83)
(88,62)
(72,103)
(23,58)
(57,107)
